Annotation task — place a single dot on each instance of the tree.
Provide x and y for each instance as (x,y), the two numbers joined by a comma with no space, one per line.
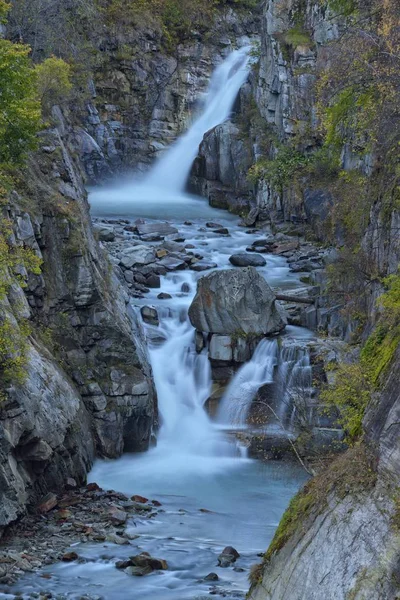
(20,115)
(53,81)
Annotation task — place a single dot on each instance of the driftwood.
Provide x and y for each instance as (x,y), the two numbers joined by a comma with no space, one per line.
(296,299)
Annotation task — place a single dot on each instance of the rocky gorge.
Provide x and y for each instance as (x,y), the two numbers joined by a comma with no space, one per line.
(100,321)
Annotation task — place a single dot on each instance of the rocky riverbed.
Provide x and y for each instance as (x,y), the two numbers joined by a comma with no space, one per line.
(89,532)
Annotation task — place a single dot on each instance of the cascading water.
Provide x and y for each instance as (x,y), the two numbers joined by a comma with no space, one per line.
(236,402)
(225,84)
(287,368)
(168,177)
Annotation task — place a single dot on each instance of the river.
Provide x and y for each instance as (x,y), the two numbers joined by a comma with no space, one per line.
(212,494)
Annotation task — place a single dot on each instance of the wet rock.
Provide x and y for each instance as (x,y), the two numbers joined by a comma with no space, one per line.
(149,315)
(93,487)
(228,556)
(185,288)
(203,265)
(123,564)
(153,281)
(222,231)
(235,300)
(211,577)
(199,341)
(139,571)
(247,260)
(161,229)
(140,499)
(161,252)
(145,561)
(70,557)
(212,225)
(114,538)
(164,296)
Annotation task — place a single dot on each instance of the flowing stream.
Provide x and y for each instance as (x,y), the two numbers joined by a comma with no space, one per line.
(197,463)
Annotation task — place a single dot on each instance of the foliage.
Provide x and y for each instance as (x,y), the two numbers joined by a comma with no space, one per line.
(13,347)
(4,9)
(350,393)
(354,383)
(279,171)
(378,352)
(19,108)
(297,36)
(53,81)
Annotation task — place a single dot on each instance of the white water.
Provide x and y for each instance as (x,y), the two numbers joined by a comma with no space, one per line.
(258,371)
(224,86)
(166,180)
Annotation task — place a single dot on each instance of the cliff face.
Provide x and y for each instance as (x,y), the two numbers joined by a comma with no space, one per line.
(143,97)
(88,388)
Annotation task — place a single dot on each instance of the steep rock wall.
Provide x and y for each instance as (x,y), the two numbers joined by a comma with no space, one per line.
(88,386)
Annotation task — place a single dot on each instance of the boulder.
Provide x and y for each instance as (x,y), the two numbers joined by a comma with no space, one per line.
(247,260)
(227,557)
(105,233)
(137,256)
(232,301)
(149,315)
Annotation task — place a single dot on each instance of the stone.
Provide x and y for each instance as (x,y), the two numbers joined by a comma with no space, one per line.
(118,516)
(70,483)
(162,229)
(221,348)
(164,296)
(185,288)
(161,252)
(47,503)
(104,233)
(153,281)
(137,256)
(93,487)
(228,556)
(149,315)
(247,260)
(203,265)
(232,301)
(70,557)
(144,560)
(140,499)
(123,564)
(211,577)
(222,231)
(212,225)
(173,264)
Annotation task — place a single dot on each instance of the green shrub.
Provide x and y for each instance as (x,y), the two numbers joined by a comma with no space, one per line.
(53,81)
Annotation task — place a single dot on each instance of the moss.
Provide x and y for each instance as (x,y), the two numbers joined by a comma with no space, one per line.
(352,473)
(379,351)
(297,37)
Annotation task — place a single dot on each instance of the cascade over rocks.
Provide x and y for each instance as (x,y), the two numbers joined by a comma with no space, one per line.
(233,301)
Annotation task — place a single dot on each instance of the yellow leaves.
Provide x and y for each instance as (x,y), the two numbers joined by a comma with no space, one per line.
(53,81)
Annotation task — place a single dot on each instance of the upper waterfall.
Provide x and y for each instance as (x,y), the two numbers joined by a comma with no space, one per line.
(173,170)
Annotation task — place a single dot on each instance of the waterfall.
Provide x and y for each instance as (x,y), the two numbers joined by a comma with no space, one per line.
(287,368)
(236,402)
(173,169)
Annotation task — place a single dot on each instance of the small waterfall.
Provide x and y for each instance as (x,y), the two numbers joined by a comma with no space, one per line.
(173,169)
(236,402)
(287,368)
(294,384)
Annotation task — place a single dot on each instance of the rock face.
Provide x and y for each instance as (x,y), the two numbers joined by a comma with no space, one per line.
(88,387)
(232,301)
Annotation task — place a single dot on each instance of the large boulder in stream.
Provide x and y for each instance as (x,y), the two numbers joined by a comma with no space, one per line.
(236,302)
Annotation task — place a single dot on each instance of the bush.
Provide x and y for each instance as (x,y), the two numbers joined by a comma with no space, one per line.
(53,82)
(20,116)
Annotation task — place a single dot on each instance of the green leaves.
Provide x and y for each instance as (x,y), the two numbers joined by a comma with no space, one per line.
(20,115)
